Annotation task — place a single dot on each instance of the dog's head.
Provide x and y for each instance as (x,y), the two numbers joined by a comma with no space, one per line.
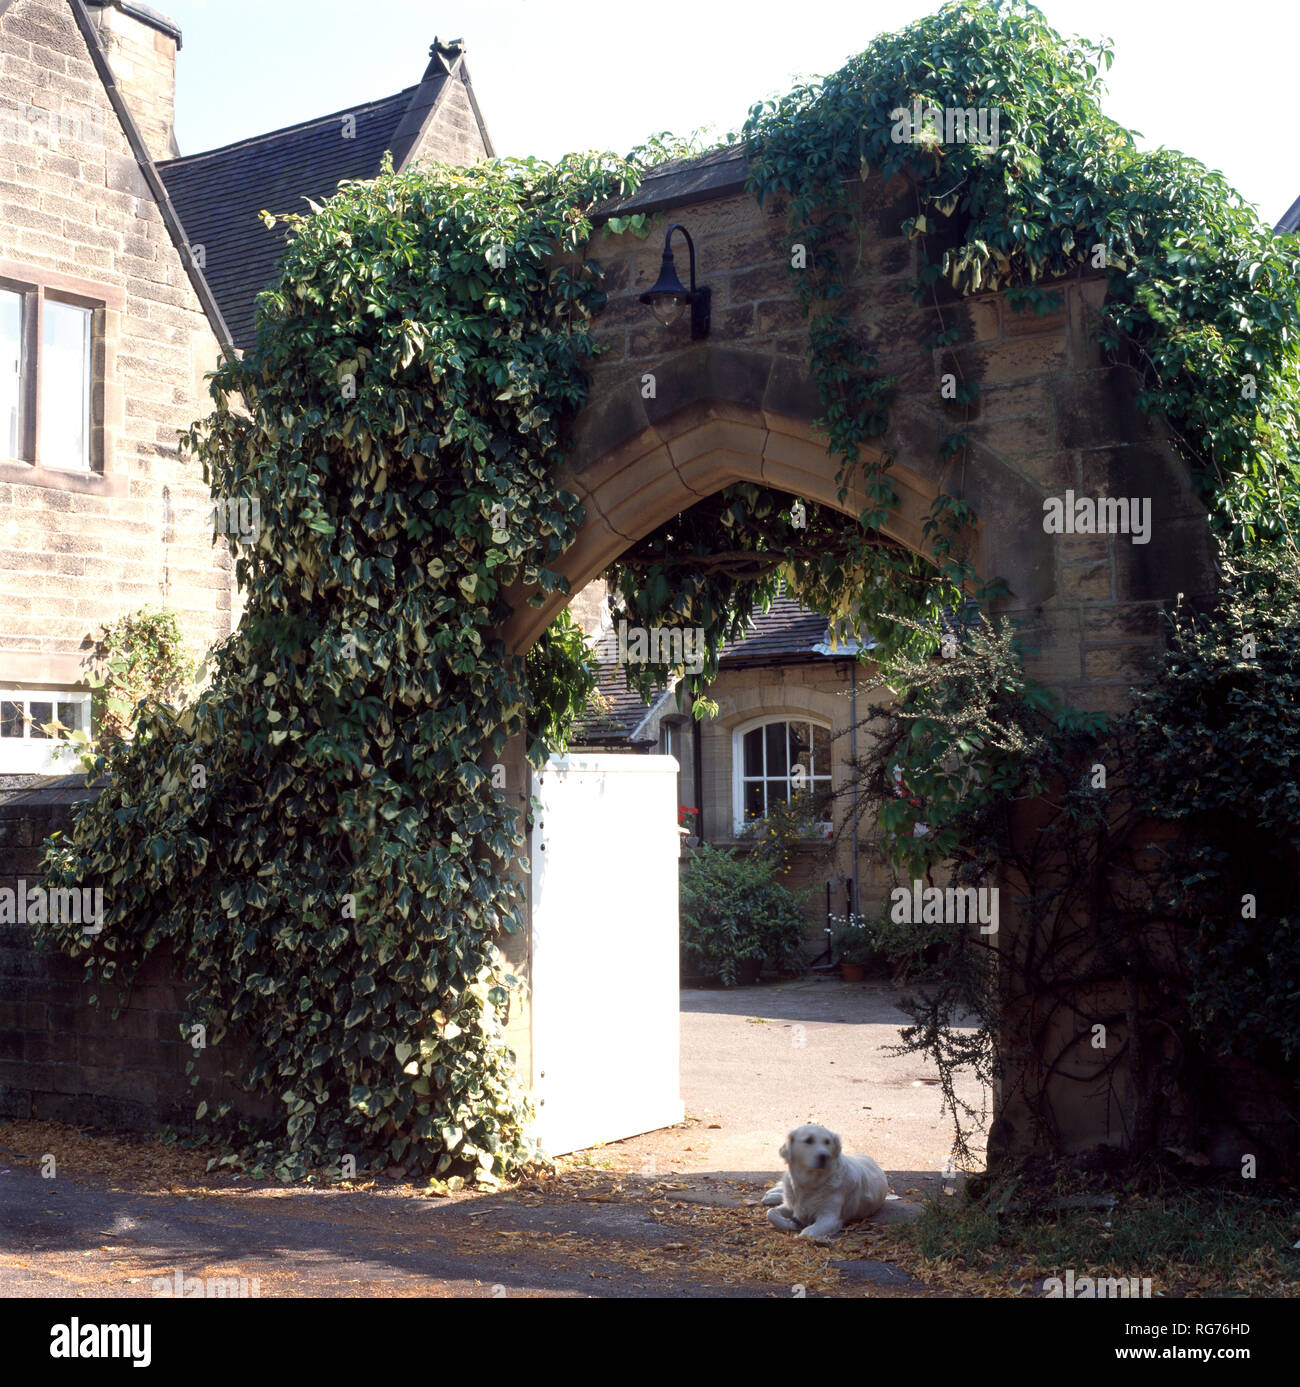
(810,1147)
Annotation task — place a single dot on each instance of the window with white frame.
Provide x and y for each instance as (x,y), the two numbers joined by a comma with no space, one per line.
(29,741)
(11,373)
(46,378)
(65,385)
(775,760)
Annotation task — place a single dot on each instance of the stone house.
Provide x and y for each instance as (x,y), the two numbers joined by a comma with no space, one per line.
(124,270)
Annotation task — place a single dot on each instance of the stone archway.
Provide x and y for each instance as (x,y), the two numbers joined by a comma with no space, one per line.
(1052,417)
(720,415)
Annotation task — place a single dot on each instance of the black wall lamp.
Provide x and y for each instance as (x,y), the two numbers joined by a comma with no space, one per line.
(669,297)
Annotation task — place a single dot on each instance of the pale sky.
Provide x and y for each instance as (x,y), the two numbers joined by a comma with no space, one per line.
(1216,80)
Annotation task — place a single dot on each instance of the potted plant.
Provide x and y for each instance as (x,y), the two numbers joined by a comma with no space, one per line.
(734,918)
(855,942)
(688,822)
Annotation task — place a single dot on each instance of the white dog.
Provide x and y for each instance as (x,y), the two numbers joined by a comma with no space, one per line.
(822,1189)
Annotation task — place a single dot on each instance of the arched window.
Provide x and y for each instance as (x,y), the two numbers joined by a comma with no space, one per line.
(775,759)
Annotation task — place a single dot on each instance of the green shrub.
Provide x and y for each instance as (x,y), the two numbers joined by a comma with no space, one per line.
(732,909)
(320,838)
(143,658)
(1217,752)
(561,681)
(856,940)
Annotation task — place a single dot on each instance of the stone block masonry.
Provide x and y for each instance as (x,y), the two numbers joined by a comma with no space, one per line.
(78,224)
(65,1059)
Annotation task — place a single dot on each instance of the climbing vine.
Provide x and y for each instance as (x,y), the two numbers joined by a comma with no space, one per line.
(321,837)
(1200,304)
(1200,295)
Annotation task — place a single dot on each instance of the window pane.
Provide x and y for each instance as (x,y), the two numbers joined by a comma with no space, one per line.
(754,808)
(11,719)
(778,792)
(73,715)
(818,739)
(754,752)
(801,747)
(41,714)
(65,386)
(11,373)
(777,764)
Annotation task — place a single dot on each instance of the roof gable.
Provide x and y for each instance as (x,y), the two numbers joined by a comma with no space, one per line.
(220,193)
(143,177)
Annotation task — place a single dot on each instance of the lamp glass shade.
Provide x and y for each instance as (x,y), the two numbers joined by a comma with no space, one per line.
(667,308)
(669,296)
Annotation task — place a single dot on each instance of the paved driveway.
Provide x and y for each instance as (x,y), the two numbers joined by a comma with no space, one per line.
(668,1213)
(757,1061)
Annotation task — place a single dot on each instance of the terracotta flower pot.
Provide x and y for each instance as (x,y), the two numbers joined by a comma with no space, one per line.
(853,972)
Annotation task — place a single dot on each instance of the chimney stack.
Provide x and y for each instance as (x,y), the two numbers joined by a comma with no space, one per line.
(141,46)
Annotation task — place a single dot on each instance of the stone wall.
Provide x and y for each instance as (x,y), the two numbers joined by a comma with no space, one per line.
(142,53)
(78,221)
(452,136)
(65,1059)
(1052,416)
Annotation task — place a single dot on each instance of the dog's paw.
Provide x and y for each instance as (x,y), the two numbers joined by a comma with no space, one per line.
(818,1235)
(780,1218)
(773,1197)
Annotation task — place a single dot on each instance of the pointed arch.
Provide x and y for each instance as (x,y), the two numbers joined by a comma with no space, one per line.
(717,417)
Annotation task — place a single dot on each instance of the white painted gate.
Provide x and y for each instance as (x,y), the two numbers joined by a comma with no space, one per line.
(605,1001)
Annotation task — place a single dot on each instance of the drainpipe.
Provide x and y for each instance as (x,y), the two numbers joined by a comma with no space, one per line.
(853,756)
(697,773)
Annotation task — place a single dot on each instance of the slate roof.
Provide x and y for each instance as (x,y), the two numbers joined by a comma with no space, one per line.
(717,173)
(785,634)
(787,631)
(615,716)
(219,193)
(1290,219)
